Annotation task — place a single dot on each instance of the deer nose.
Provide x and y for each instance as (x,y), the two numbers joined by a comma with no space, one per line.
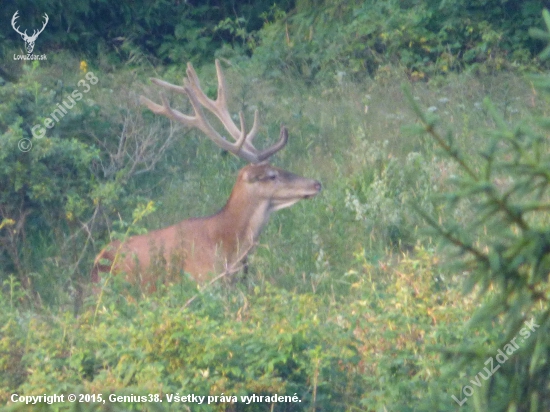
(317,186)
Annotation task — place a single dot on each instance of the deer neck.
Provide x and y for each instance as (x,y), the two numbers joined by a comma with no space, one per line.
(241,220)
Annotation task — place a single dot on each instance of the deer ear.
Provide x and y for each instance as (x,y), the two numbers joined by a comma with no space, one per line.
(251,175)
(257,172)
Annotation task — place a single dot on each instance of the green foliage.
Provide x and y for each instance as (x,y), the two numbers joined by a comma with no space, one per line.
(62,171)
(45,181)
(381,199)
(372,353)
(315,40)
(332,39)
(140,31)
(504,250)
(543,35)
(346,303)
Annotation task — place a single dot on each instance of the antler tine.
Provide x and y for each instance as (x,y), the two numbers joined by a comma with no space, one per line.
(169,86)
(270,151)
(219,106)
(167,111)
(199,120)
(255,128)
(222,100)
(242,145)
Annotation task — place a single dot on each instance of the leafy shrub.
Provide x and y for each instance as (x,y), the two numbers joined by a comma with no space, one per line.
(45,179)
(331,40)
(382,199)
(154,346)
(372,350)
(61,183)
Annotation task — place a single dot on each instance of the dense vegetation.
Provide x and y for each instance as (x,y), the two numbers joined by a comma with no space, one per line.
(310,38)
(425,256)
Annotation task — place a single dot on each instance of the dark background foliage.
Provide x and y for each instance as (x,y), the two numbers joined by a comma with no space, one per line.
(306,36)
(168,30)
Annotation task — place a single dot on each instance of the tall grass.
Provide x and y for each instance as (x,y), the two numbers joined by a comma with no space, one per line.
(346,300)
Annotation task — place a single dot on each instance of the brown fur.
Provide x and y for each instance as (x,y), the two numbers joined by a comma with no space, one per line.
(208,245)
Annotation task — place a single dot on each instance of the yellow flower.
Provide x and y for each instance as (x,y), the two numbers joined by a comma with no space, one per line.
(83,66)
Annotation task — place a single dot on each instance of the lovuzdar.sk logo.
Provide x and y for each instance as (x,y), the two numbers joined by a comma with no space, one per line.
(29,40)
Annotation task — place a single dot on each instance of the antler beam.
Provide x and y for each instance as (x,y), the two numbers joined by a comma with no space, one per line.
(242,141)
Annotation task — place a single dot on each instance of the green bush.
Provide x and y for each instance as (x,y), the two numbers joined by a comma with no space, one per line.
(70,152)
(321,40)
(382,198)
(328,40)
(373,350)
(46,181)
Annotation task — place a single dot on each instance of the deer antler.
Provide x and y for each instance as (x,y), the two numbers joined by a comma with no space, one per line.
(242,145)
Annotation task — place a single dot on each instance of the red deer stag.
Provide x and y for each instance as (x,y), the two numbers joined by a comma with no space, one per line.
(221,242)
